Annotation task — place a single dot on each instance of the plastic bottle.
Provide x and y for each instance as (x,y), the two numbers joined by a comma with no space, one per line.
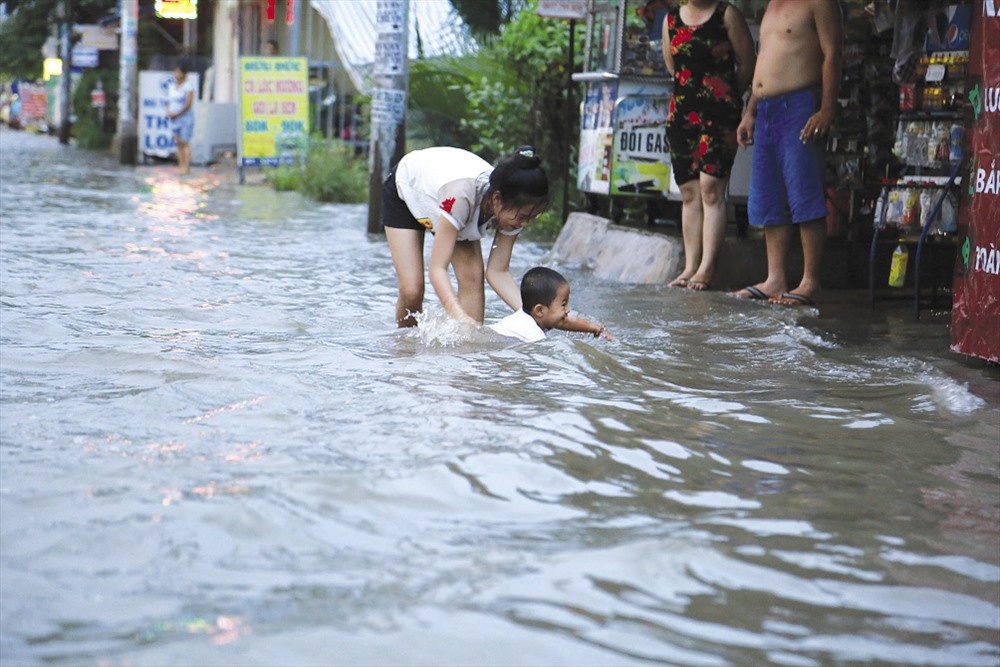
(956,144)
(926,207)
(897,271)
(911,209)
(880,209)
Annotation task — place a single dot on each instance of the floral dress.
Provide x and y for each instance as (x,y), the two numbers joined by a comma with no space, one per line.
(706,107)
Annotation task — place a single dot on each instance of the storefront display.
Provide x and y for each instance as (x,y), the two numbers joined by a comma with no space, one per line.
(916,210)
(898,154)
(623,150)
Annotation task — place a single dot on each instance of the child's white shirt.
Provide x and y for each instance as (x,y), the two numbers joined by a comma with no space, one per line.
(520,325)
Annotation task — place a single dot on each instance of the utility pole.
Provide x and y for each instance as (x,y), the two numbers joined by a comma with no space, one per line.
(190,44)
(388,122)
(128,138)
(295,13)
(66,82)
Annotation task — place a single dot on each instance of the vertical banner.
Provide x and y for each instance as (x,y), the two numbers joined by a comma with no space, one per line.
(596,137)
(975,315)
(274,104)
(155,136)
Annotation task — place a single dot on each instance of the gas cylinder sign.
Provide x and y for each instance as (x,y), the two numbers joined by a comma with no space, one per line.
(155,136)
(641,151)
(642,143)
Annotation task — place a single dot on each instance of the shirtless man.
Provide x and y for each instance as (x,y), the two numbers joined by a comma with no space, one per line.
(794,94)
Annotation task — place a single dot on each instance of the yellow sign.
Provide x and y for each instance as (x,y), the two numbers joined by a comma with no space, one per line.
(274,103)
(177,9)
(51,67)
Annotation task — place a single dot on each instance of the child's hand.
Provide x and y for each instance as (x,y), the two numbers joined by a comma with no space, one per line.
(604,333)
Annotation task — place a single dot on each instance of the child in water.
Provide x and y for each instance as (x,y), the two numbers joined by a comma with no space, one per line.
(544,306)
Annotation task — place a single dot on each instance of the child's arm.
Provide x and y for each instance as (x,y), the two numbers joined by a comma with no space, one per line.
(574,323)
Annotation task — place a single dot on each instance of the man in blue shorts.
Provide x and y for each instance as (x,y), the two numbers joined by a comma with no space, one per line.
(794,94)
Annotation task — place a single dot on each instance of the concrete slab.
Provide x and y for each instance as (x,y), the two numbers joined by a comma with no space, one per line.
(619,253)
(633,255)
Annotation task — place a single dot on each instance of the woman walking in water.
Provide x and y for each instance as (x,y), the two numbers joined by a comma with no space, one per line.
(180,98)
(709,52)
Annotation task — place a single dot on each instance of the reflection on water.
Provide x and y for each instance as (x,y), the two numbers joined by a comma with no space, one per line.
(217,450)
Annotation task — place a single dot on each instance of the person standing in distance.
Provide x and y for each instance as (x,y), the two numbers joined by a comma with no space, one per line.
(709,52)
(460,198)
(180,98)
(791,109)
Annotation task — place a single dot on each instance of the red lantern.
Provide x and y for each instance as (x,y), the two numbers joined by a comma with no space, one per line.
(270,10)
(289,12)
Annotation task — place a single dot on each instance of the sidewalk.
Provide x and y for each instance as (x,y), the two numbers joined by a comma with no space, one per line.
(640,253)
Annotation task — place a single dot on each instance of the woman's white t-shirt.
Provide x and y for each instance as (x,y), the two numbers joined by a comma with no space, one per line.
(446,183)
(177,95)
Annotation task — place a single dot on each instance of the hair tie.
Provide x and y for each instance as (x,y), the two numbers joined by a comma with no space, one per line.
(526,151)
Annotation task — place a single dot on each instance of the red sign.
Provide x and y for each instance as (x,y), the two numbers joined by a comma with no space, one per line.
(975,315)
(34,103)
(97,99)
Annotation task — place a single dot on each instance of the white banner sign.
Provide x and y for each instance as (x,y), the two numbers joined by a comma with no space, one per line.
(388,105)
(562,9)
(83,56)
(390,60)
(390,16)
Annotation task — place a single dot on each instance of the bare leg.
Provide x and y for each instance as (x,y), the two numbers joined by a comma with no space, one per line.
(813,235)
(691,228)
(184,156)
(407,248)
(776,238)
(713,204)
(467,261)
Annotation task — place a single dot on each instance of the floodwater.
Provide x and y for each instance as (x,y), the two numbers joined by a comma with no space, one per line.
(216,449)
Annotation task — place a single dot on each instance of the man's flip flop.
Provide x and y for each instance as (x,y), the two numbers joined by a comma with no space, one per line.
(755,294)
(801,298)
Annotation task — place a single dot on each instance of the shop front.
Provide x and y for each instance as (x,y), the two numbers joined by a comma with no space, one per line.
(898,167)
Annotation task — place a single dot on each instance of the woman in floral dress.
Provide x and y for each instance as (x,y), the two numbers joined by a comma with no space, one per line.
(710,53)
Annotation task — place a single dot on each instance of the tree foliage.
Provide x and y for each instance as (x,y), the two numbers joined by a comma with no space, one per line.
(516,90)
(30,23)
(487,18)
(521,93)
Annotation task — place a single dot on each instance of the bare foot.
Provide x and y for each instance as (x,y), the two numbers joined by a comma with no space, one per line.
(754,293)
(679,281)
(699,285)
(793,299)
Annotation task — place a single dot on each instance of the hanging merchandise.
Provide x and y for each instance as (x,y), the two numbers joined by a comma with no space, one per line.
(897,271)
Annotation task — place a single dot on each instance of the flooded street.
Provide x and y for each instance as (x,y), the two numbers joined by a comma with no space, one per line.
(216,449)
